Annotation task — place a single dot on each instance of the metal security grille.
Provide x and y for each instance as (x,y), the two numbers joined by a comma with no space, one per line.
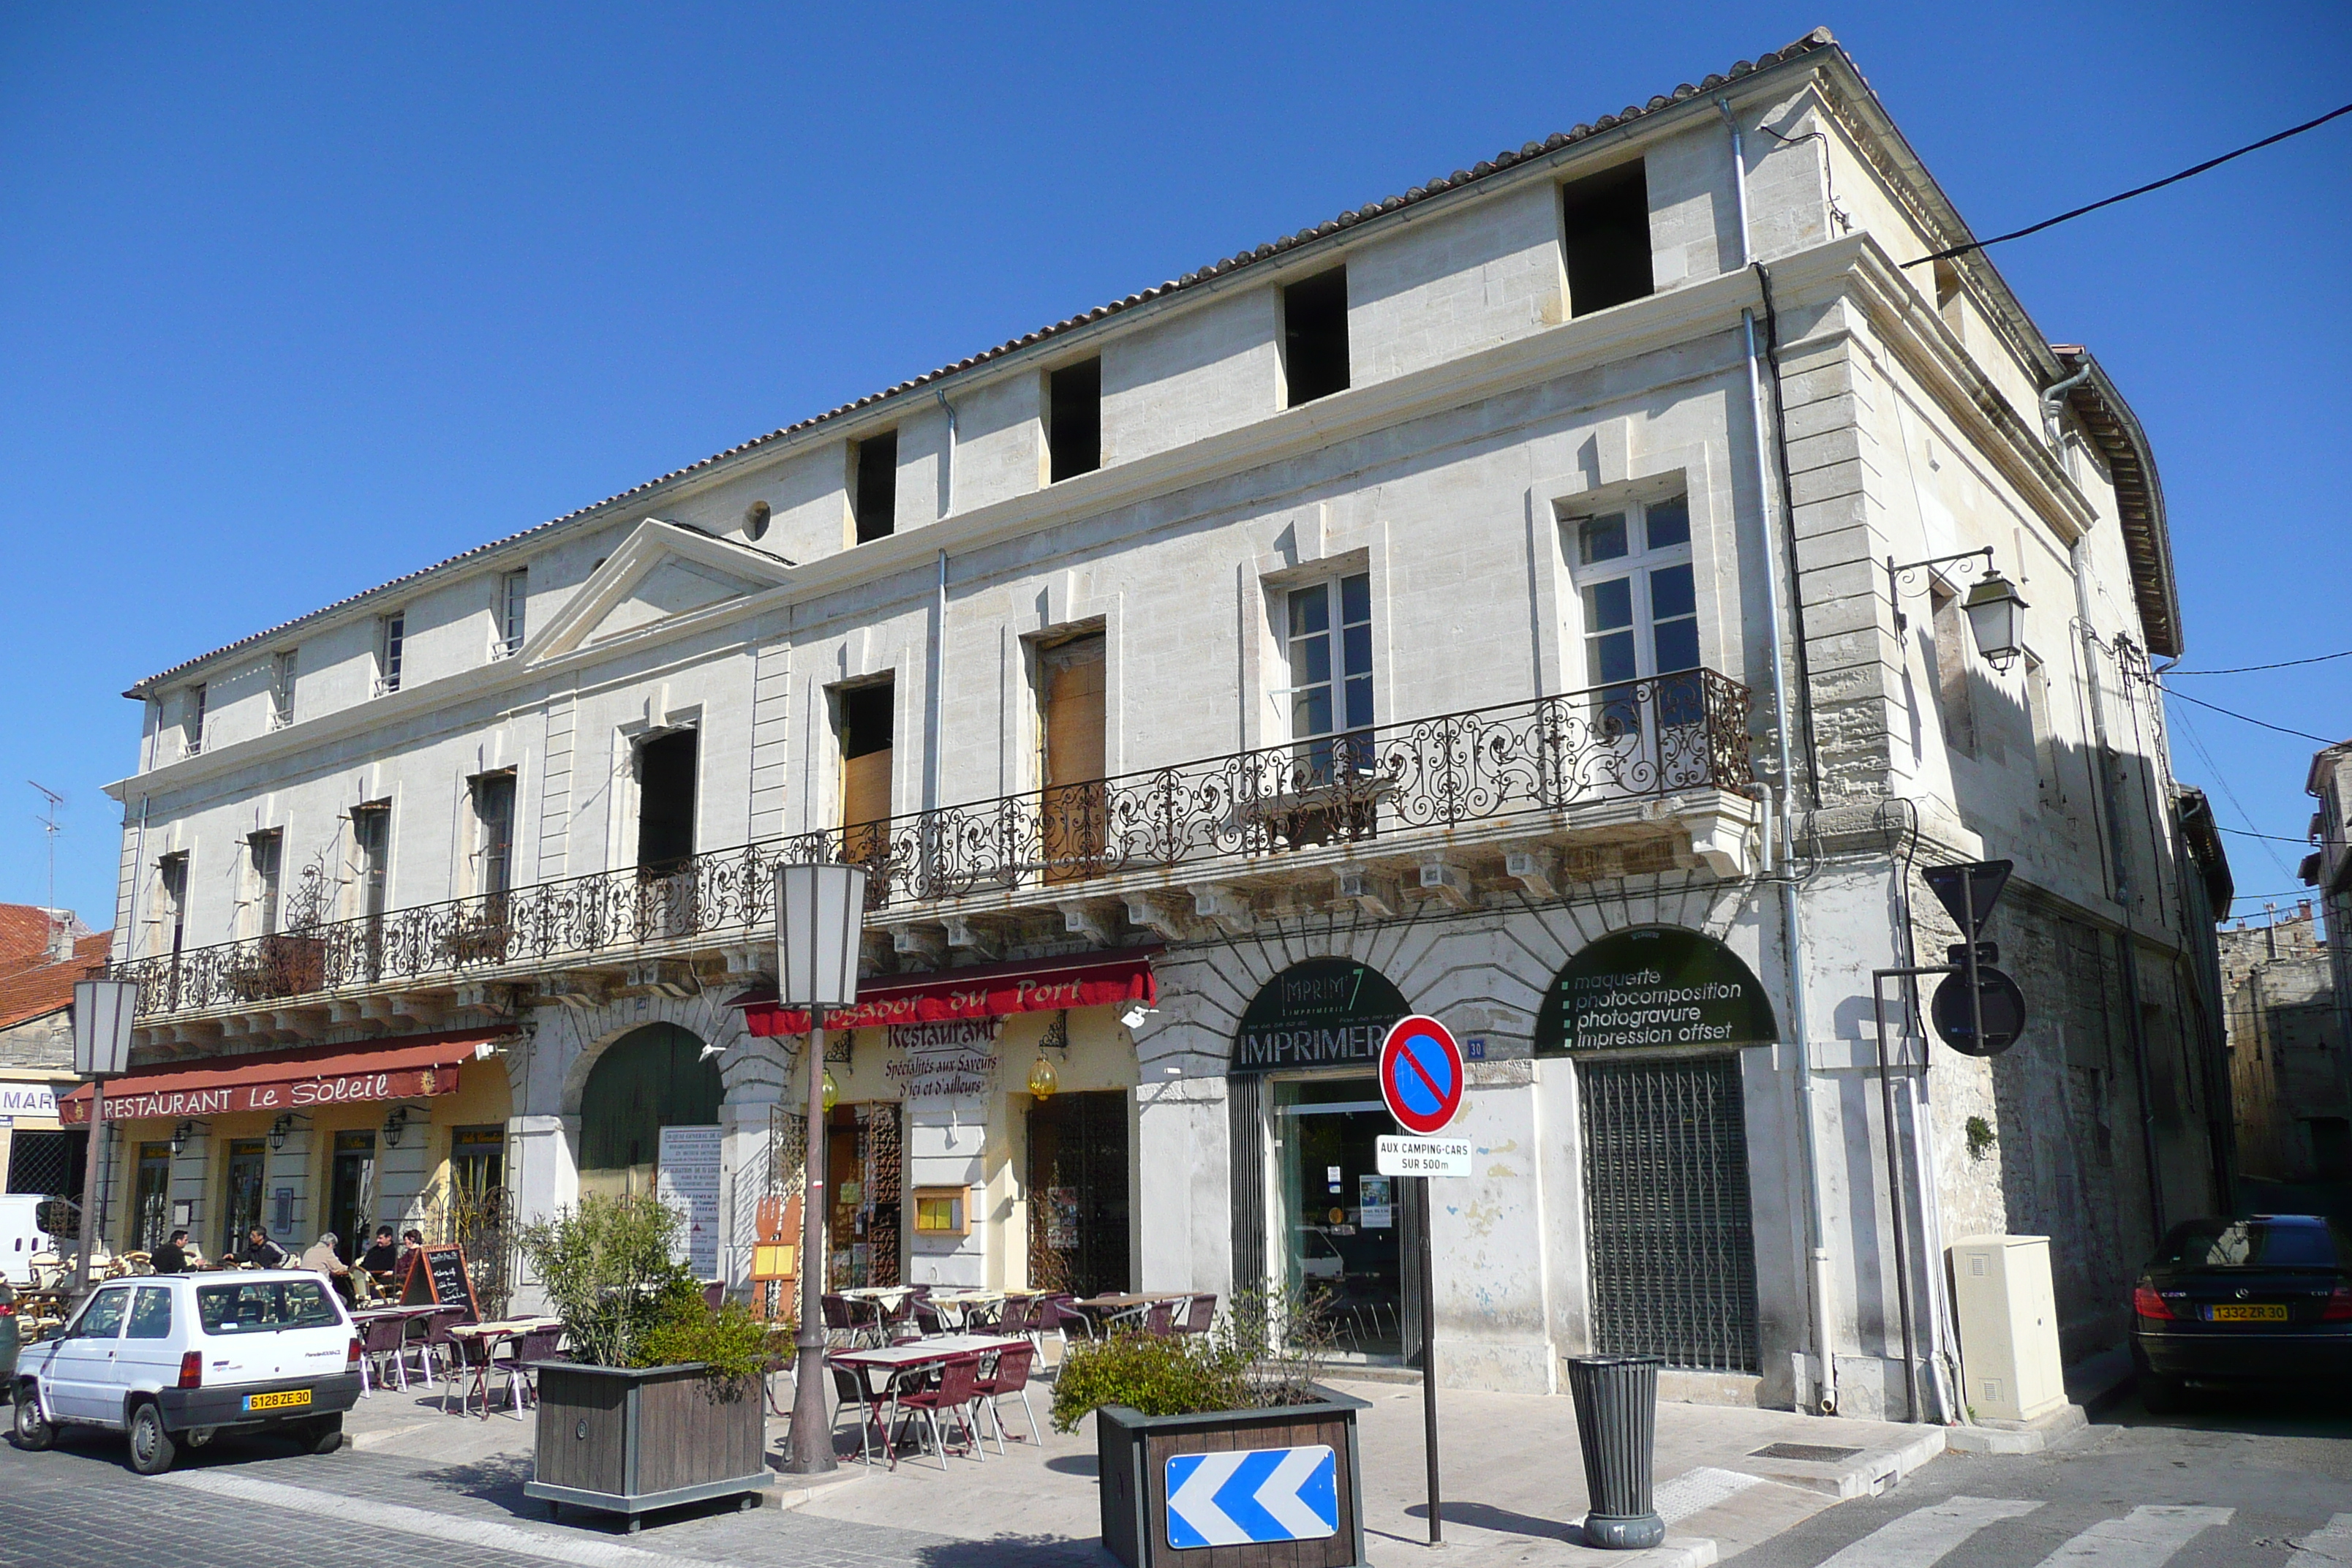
(1665,1199)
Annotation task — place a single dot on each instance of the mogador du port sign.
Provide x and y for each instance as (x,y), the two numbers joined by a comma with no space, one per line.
(1655,987)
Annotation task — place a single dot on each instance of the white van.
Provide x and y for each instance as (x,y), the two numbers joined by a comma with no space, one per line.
(173,1358)
(20,1236)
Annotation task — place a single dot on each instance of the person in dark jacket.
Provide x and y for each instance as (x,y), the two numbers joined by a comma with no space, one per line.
(380,1254)
(170,1257)
(260,1252)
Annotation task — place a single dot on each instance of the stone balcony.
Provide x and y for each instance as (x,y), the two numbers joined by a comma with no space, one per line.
(1535,796)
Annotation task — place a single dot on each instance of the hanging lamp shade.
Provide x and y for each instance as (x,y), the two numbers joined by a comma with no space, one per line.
(1043,1079)
(1997,616)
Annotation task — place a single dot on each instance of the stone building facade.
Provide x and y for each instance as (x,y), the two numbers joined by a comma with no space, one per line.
(1498,601)
(2287,1072)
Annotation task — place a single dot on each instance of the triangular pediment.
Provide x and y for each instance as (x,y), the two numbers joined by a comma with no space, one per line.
(661,573)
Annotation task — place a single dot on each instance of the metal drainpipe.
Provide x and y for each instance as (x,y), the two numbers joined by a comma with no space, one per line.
(1793,921)
(940,609)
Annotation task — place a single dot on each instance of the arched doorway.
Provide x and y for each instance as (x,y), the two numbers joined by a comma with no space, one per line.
(649,1079)
(1301,1077)
(1655,1018)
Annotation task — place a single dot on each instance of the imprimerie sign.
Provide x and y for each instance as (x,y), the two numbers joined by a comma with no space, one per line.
(1659,985)
(1322,1013)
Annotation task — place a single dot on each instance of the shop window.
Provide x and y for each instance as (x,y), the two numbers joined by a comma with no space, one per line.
(247,1168)
(351,1192)
(152,1213)
(1340,1235)
(864,1165)
(1071,761)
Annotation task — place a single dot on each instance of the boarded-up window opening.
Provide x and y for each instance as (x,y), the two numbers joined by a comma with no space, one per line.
(1071,683)
(1315,336)
(1606,226)
(866,720)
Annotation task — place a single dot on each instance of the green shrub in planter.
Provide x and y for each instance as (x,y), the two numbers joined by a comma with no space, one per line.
(1267,1349)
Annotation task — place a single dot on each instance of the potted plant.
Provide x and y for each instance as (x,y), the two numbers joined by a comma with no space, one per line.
(1211,1447)
(657,1401)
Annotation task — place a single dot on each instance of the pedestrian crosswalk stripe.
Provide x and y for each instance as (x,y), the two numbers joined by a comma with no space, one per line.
(1694,1492)
(490,1534)
(2149,1537)
(2327,1547)
(1921,1538)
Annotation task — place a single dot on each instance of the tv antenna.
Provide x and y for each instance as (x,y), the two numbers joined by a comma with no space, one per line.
(51,828)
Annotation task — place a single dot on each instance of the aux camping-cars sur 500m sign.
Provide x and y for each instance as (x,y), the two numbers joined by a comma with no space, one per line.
(1656,986)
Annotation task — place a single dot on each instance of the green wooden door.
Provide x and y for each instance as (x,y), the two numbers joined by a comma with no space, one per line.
(649,1079)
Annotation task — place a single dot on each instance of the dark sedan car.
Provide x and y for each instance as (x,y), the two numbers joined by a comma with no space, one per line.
(2229,1303)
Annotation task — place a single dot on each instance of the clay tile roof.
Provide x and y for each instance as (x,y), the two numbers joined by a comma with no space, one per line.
(1819,38)
(24,935)
(43,988)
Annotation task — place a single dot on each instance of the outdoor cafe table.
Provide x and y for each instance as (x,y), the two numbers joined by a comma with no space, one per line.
(1112,1308)
(494,1333)
(898,1360)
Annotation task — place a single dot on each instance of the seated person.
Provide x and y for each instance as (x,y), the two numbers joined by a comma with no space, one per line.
(172,1256)
(380,1254)
(260,1252)
(321,1257)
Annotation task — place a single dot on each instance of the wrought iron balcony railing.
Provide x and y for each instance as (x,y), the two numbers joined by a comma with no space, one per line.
(1644,737)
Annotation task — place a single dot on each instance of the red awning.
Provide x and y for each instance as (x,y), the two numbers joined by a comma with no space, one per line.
(984,991)
(412,1068)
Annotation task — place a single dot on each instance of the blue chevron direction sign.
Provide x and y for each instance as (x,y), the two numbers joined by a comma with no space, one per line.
(1255,1495)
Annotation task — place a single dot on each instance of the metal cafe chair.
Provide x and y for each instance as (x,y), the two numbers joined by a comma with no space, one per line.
(1200,1314)
(957,1391)
(382,1338)
(1008,1377)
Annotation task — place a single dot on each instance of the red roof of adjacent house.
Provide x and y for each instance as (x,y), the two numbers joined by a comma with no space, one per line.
(30,992)
(24,935)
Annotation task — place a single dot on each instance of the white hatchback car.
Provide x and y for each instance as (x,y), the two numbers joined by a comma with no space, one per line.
(173,1358)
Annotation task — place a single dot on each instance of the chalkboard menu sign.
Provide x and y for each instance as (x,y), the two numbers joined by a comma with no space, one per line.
(1657,985)
(437,1277)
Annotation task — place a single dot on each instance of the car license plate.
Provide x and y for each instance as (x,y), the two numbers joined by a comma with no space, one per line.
(2273,1313)
(285,1399)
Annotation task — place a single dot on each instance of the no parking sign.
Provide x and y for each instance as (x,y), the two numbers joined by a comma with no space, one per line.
(1421,1074)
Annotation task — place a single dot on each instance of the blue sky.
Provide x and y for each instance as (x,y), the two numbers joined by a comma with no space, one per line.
(294,300)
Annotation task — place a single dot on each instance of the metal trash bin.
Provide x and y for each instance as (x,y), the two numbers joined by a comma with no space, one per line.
(1617,1425)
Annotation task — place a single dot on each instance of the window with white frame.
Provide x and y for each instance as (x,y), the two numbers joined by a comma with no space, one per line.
(514,591)
(1328,632)
(391,640)
(266,853)
(1634,574)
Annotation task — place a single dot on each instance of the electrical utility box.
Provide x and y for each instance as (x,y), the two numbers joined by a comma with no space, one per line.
(2008,1327)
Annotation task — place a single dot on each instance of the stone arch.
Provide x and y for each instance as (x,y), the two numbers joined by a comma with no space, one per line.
(655,1076)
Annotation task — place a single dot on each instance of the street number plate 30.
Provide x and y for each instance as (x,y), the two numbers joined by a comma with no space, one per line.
(285,1399)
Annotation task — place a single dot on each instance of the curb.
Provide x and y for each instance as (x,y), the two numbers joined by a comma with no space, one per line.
(1867,1474)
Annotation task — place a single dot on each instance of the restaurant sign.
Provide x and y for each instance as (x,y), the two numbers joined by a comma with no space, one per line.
(1324,1012)
(944,1061)
(1658,985)
(123,1104)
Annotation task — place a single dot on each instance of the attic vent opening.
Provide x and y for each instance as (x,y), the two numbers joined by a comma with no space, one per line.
(1605,220)
(1074,420)
(874,486)
(1315,336)
(755,519)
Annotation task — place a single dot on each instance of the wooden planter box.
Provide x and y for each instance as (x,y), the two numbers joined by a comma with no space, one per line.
(1132,1451)
(630,1439)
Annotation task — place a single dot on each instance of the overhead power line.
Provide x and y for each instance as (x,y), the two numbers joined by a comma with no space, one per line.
(2274,837)
(2250,669)
(2139,191)
(2247,718)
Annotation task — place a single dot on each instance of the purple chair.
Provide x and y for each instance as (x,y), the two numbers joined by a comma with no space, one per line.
(1199,1313)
